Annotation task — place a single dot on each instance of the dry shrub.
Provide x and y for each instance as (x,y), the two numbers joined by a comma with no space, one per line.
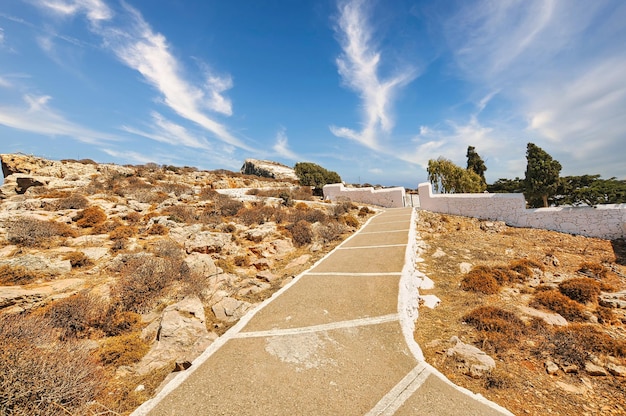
(256,215)
(123,349)
(364,212)
(40,375)
(18,275)
(181,214)
(498,327)
(592,269)
(350,221)
(90,217)
(241,261)
(78,259)
(574,343)
(581,289)
(225,206)
(143,280)
(332,231)
(342,208)
(309,215)
(480,279)
(301,206)
(123,232)
(168,248)
(606,316)
(133,217)
(301,233)
(31,232)
(524,267)
(225,265)
(73,201)
(76,314)
(117,322)
(559,303)
(177,189)
(158,229)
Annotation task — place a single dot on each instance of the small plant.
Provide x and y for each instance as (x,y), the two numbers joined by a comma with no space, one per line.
(581,289)
(180,214)
(78,259)
(559,303)
(364,212)
(592,269)
(73,201)
(74,315)
(301,233)
(480,279)
(158,229)
(90,217)
(123,232)
(350,221)
(331,231)
(123,349)
(31,232)
(18,275)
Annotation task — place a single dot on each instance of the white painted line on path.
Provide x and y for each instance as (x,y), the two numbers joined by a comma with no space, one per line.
(379,246)
(354,274)
(319,328)
(401,392)
(404,230)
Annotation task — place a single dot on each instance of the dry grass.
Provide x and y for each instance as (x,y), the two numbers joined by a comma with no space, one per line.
(123,349)
(18,275)
(520,382)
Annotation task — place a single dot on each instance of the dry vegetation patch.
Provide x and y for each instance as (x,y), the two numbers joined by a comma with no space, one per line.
(511,269)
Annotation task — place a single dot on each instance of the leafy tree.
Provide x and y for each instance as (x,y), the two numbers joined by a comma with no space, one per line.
(450,178)
(503,185)
(590,190)
(311,174)
(475,163)
(542,175)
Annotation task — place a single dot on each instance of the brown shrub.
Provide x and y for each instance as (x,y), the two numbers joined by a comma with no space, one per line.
(364,212)
(180,213)
(143,279)
(241,261)
(581,289)
(73,201)
(332,231)
(78,259)
(40,375)
(524,267)
(493,319)
(90,217)
(256,215)
(123,349)
(18,275)
(133,217)
(158,229)
(177,189)
(592,269)
(350,221)
(606,316)
(574,343)
(559,303)
(76,314)
(123,232)
(117,322)
(480,279)
(32,232)
(301,233)
(309,215)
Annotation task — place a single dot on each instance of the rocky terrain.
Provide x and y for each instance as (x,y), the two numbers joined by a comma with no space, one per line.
(113,277)
(531,319)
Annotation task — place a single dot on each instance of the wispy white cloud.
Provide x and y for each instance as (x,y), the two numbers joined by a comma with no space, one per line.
(49,121)
(138,46)
(166,131)
(281,146)
(359,66)
(130,156)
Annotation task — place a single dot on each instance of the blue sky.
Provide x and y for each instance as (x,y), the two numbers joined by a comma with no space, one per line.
(369,89)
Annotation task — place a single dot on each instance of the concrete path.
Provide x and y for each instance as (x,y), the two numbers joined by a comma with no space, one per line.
(338,340)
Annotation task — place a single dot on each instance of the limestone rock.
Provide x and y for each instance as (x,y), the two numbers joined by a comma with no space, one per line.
(268,276)
(181,337)
(261,232)
(207,242)
(201,264)
(570,368)
(268,169)
(229,309)
(595,370)
(472,361)
(298,262)
(616,370)
(18,298)
(465,267)
(551,367)
(548,317)
(613,300)
(492,226)
(39,264)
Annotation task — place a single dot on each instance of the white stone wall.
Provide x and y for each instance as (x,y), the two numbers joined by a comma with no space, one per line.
(388,198)
(604,221)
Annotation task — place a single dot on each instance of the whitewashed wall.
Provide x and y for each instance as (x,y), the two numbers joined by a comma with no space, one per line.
(388,198)
(604,221)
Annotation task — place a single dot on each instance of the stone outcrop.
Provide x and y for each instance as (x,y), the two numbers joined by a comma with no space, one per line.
(470,360)
(268,169)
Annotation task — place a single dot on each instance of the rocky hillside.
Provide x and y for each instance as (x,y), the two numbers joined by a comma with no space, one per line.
(112,277)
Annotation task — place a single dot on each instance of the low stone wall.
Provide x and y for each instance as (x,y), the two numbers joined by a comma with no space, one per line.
(388,198)
(603,221)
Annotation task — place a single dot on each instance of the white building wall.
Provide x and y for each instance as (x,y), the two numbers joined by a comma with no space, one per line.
(603,221)
(388,198)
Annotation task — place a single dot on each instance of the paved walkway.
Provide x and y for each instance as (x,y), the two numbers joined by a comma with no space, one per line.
(332,342)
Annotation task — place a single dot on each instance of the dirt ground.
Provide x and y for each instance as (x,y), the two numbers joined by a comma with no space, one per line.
(520,381)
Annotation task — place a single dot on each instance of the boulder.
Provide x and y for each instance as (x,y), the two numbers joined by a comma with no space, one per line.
(268,276)
(39,264)
(181,337)
(18,298)
(551,367)
(268,169)
(492,226)
(595,370)
(261,232)
(207,242)
(230,309)
(201,264)
(298,262)
(616,370)
(548,317)
(471,360)
(613,300)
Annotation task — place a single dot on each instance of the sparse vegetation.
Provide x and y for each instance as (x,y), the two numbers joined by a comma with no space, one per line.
(559,303)
(32,232)
(581,289)
(18,275)
(301,233)
(90,217)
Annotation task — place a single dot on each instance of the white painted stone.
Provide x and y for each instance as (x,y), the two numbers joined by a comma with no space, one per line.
(389,197)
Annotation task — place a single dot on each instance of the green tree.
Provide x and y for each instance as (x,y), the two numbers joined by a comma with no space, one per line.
(542,174)
(450,178)
(590,190)
(475,163)
(503,185)
(311,174)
